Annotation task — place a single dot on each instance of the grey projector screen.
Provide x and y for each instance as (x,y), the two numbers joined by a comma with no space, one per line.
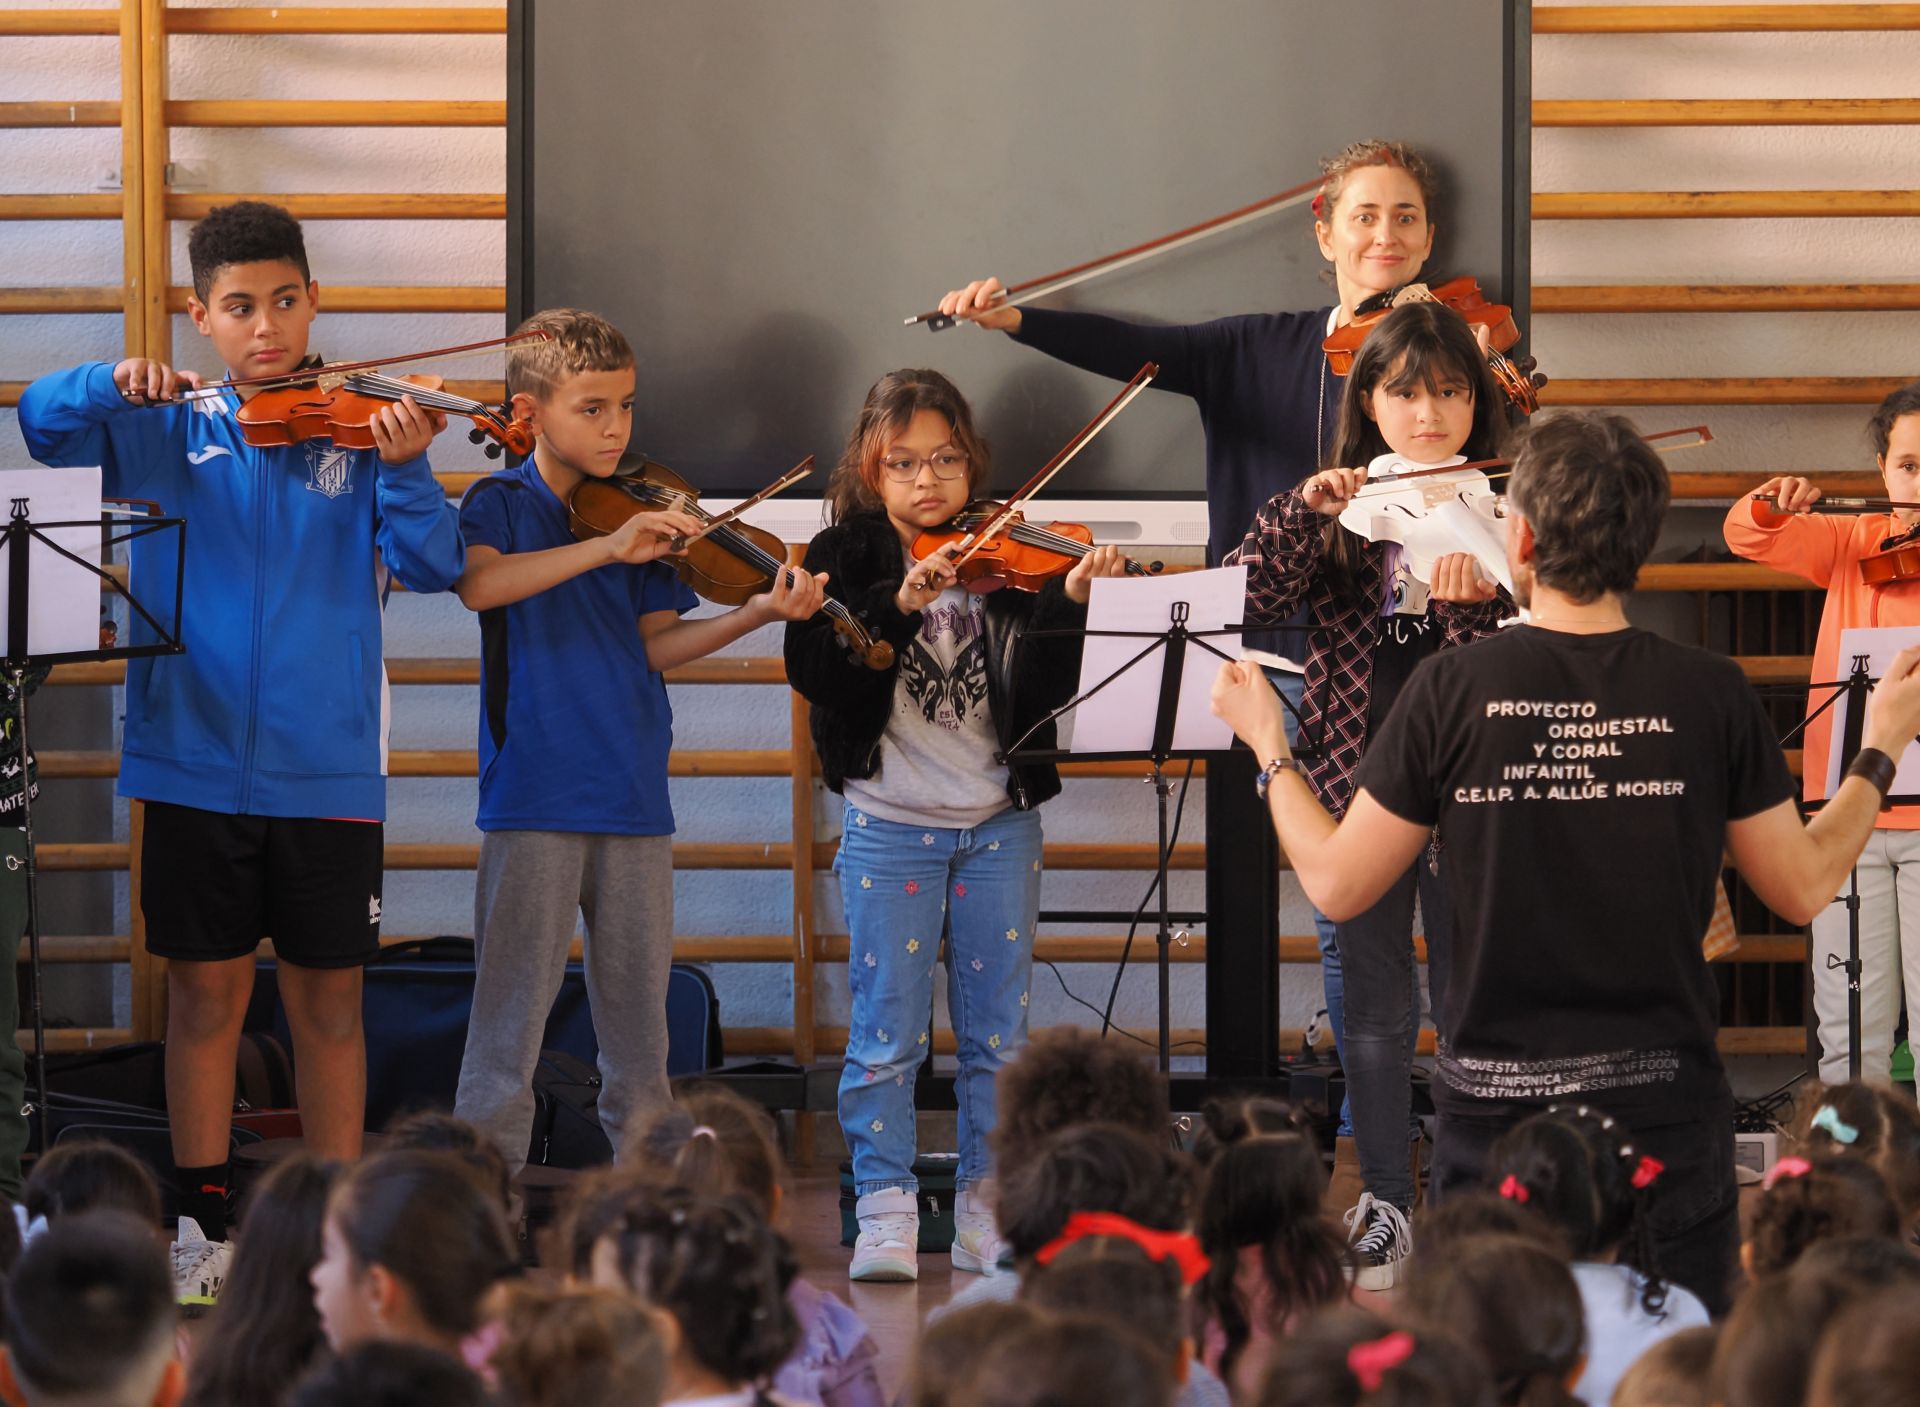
(759,191)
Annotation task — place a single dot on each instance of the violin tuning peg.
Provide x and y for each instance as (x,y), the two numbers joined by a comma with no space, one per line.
(490,450)
(476,434)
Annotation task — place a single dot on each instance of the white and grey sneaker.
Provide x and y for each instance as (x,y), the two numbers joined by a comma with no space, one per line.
(889,1236)
(977,1243)
(199,1265)
(1380,1242)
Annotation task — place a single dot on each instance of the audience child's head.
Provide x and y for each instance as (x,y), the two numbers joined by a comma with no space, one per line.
(1673,1373)
(1869,1262)
(87,1175)
(1580,1170)
(384,1373)
(1069,1076)
(1803,1203)
(1347,1357)
(1766,1347)
(579,1347)
(90,1317)
(1273,1256)
(1068,1361)
(714,1141)
(952,1348)
(265,1332)
(1876,1124)
(1092,1168)
(1141,1289)
(437,1131)
(714,1265)
(1517,1304)
(411,1246)
(1870,1354)
(1473,1212)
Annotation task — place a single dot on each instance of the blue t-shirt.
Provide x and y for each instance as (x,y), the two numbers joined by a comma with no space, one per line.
(575,725)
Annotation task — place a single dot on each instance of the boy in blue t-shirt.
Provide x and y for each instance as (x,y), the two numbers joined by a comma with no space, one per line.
(574,639)
(261,753)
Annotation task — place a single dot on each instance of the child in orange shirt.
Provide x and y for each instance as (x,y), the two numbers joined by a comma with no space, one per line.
(1826,550)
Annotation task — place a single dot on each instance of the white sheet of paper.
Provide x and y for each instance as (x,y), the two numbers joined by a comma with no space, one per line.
(1879,644)
(63,601)
(1120,717)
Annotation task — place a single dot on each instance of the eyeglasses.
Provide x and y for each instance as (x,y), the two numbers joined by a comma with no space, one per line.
(905,468)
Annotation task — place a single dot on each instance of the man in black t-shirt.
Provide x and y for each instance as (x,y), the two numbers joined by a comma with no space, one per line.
(1585,778)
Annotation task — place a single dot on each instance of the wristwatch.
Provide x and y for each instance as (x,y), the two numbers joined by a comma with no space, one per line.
(1279,764)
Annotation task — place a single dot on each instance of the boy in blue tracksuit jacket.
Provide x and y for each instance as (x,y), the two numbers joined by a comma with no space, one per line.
(261,752)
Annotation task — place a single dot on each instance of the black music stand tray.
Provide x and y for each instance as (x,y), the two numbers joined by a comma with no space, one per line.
(18,662)
(1170,645)
(1854,689)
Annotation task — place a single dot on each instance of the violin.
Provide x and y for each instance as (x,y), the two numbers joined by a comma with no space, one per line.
(1430,512)
(1463,295)
(291,415)
(338,402)
(730,562)
(996,546)
(1897,560)
(1022,555)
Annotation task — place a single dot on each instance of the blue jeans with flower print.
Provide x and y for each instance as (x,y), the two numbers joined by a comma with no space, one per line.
(903,887)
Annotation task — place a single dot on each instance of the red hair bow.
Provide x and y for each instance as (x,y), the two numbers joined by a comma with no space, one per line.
(1647,1172)
(1514,1190)
(1370,1362)
(1786,1167)
(1181,1246)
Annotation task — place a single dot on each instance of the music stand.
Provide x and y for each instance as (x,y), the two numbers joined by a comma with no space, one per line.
(1171,645)
(18,661)
(1854,689)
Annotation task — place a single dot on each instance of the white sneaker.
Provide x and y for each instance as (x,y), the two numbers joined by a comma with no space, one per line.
(199,1265)
(889,1235)
(977,1243)
(1380,1241)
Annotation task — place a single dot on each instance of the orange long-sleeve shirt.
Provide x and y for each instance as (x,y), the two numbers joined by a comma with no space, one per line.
(1826,550)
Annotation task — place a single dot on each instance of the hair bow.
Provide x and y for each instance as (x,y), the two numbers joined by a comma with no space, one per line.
(1831,1121)
(1180,1245)
(1370,1362)
(1785,1168)
(1647,1172)
(1514,1190)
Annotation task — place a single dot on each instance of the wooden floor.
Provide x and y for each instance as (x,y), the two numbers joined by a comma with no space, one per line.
(810,1218)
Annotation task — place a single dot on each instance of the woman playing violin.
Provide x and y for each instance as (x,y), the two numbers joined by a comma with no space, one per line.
(1265,393)
(1419,391)
(1784,524)
(941,833)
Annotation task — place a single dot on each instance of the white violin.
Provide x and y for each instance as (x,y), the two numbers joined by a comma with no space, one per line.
(1431,511)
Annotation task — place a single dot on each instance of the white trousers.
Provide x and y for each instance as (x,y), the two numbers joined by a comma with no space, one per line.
(1889,959)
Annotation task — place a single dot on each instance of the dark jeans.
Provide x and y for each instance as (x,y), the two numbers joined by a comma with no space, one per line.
(1381,991)
(1694,1211)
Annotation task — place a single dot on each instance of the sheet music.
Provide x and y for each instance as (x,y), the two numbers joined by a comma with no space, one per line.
(63,607)
(1879,644)
(1120,717)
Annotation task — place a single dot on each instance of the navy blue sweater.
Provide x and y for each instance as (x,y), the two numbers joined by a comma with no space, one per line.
(1258,380)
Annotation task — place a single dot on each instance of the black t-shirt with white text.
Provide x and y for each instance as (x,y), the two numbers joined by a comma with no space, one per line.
(1583,784)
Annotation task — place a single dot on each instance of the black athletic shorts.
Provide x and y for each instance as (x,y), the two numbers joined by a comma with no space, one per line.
(213,885)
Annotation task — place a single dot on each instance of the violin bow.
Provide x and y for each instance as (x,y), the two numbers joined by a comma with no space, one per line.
(325,372)
(720,520)
(974,540)
(1702,435)
(1033,288)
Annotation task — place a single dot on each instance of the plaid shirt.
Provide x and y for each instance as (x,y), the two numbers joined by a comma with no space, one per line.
(1284,552)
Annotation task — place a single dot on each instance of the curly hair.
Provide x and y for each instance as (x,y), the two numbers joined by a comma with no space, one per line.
(1093,1168)
(1358,156)
(579,1347)
(1834,1197)
(1069,1076)
(245,232)
(1595,495)
(579,342)
(1884,1128)
(712,1140)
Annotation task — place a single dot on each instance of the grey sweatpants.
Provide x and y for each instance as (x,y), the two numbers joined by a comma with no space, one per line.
(530,887)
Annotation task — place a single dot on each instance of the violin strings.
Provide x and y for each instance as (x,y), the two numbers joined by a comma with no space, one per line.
(394,387)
